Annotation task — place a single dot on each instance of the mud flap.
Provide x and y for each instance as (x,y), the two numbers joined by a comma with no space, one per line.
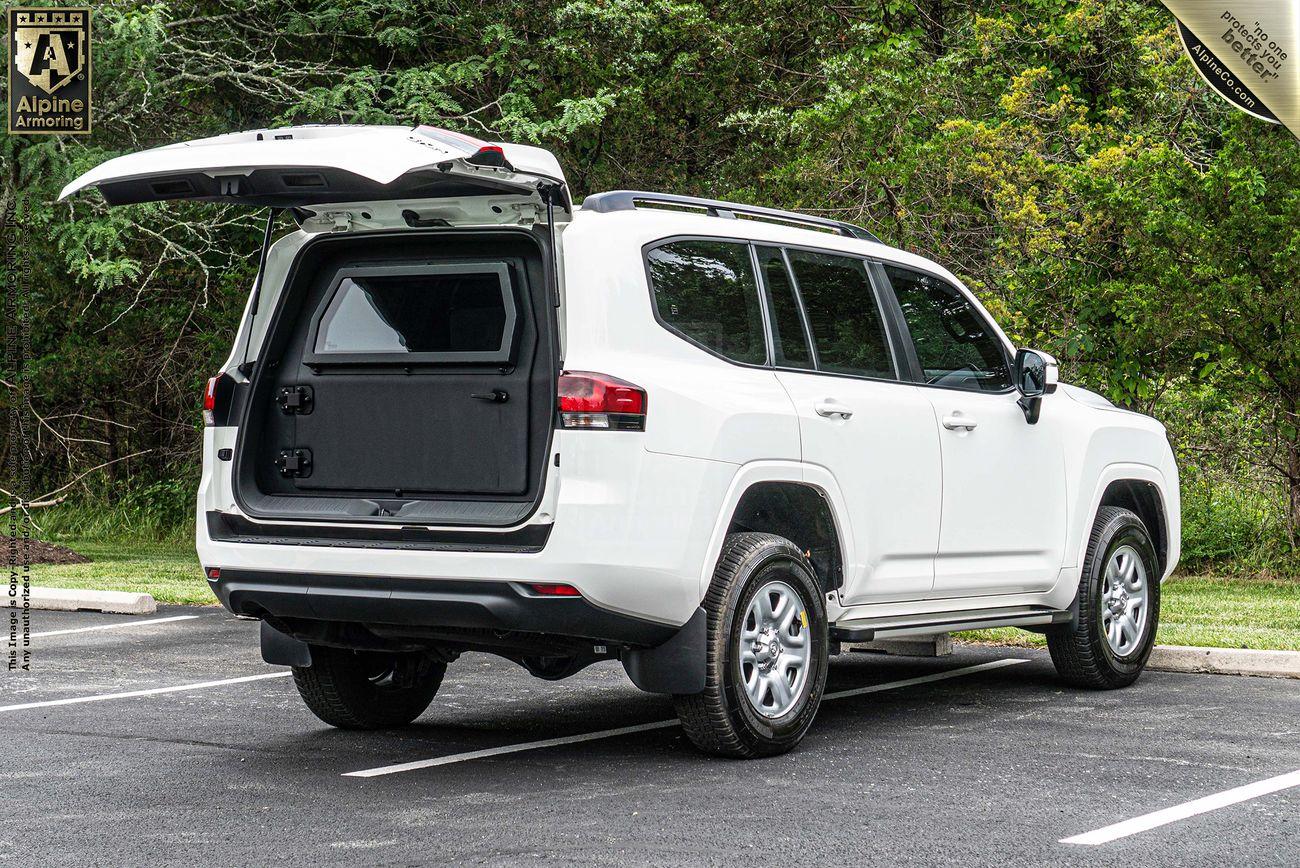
(283,650)
(676,666)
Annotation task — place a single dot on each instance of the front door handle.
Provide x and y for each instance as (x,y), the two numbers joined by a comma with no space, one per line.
(830,408)
(958,422)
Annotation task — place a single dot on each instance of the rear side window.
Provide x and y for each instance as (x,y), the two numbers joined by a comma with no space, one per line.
(706,291)
(846,323)
(789,340)
(451,313)
(954,345)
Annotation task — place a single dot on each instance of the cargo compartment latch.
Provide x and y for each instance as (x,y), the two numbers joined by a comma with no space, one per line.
(294,463)
(296,400)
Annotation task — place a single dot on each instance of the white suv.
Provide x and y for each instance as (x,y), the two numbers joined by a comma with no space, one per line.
(709,440)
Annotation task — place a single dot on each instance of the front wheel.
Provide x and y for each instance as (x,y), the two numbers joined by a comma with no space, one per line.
(767,651)
(1119,606)
(368,689)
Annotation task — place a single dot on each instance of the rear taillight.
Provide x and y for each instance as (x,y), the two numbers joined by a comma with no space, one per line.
(210,401)
(600,401)
(216,399)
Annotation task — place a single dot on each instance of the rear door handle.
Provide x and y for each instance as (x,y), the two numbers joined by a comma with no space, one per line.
(958,422)
(831,408)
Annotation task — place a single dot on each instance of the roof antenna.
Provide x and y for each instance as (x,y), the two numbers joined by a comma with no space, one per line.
(246,367)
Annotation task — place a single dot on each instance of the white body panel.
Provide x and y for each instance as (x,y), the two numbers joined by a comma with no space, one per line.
(1004,497)
(886,459)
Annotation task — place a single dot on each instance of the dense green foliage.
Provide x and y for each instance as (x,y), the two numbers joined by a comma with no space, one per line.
(1062,157)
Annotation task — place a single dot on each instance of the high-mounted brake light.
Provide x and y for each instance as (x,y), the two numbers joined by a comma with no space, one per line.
(551,589)
(210,401)
(589,400)
(493,156)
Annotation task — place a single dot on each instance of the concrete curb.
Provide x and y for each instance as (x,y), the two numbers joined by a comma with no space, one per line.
(65,600)
(1225,661)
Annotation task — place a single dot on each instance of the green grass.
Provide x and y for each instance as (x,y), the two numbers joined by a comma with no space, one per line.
(168,570)
(1195,610)
(1209,611)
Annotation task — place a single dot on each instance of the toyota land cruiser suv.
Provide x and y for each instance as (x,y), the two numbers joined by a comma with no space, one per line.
(711,441)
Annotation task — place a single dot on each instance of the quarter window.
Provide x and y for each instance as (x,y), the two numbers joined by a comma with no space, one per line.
(847,327)
(954,345)
(706,290)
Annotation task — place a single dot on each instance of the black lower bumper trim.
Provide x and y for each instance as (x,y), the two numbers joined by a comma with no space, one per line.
(427,603)
(223,527)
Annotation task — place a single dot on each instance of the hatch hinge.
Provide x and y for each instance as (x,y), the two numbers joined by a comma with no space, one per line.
(330,221)
(294,463)
(529,213)
(296,400)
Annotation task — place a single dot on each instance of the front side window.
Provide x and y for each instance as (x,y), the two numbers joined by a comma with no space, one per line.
(437,312)
(706,291)
(954,345)
(847,327)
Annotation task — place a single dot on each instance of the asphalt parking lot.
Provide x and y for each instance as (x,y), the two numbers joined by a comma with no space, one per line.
(973,758)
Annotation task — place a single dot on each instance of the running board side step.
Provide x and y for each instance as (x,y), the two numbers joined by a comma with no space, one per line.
(895,627)
(852,634)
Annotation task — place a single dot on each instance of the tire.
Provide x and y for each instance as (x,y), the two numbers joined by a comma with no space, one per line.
(724,720)
(367,689)
(1087,653)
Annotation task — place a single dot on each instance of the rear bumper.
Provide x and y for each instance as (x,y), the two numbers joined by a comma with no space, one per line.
(428,603)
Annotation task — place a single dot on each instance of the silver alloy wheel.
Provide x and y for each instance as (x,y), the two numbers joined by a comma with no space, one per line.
(1124,600)
(775,652)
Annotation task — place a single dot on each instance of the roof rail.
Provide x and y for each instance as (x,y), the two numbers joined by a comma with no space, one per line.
(626,200)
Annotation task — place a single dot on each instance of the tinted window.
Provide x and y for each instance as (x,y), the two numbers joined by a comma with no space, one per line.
(789,340)
(706,290)
(441,312)
(953,343)
(842,311)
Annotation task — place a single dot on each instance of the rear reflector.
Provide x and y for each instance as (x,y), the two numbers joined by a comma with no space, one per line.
(213,572)
(554,590)
(590,400)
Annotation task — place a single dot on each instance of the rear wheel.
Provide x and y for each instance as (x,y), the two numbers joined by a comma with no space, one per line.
(767,651)
(1119,606)
(368,689)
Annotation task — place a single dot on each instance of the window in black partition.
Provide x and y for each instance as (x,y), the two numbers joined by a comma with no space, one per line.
(462,312)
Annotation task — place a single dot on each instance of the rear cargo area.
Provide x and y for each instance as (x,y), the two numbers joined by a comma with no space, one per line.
(407,377)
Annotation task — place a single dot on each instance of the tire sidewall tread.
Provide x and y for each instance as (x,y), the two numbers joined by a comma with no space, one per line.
(1082,655)
(720,720)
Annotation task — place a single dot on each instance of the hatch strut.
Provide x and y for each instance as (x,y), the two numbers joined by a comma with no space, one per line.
(548,192)
(245,367)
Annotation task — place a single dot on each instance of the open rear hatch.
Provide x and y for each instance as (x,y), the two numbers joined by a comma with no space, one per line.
(408,375)
(294,167)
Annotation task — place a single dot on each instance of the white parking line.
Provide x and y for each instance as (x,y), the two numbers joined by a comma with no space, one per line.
(415,765)
(1188,809)
(116,626)
(100,697)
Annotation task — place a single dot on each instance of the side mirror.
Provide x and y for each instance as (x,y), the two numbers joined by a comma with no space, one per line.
(1036,375)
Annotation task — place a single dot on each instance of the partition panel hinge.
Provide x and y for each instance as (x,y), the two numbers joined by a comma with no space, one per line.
(294,463)
(295,400)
